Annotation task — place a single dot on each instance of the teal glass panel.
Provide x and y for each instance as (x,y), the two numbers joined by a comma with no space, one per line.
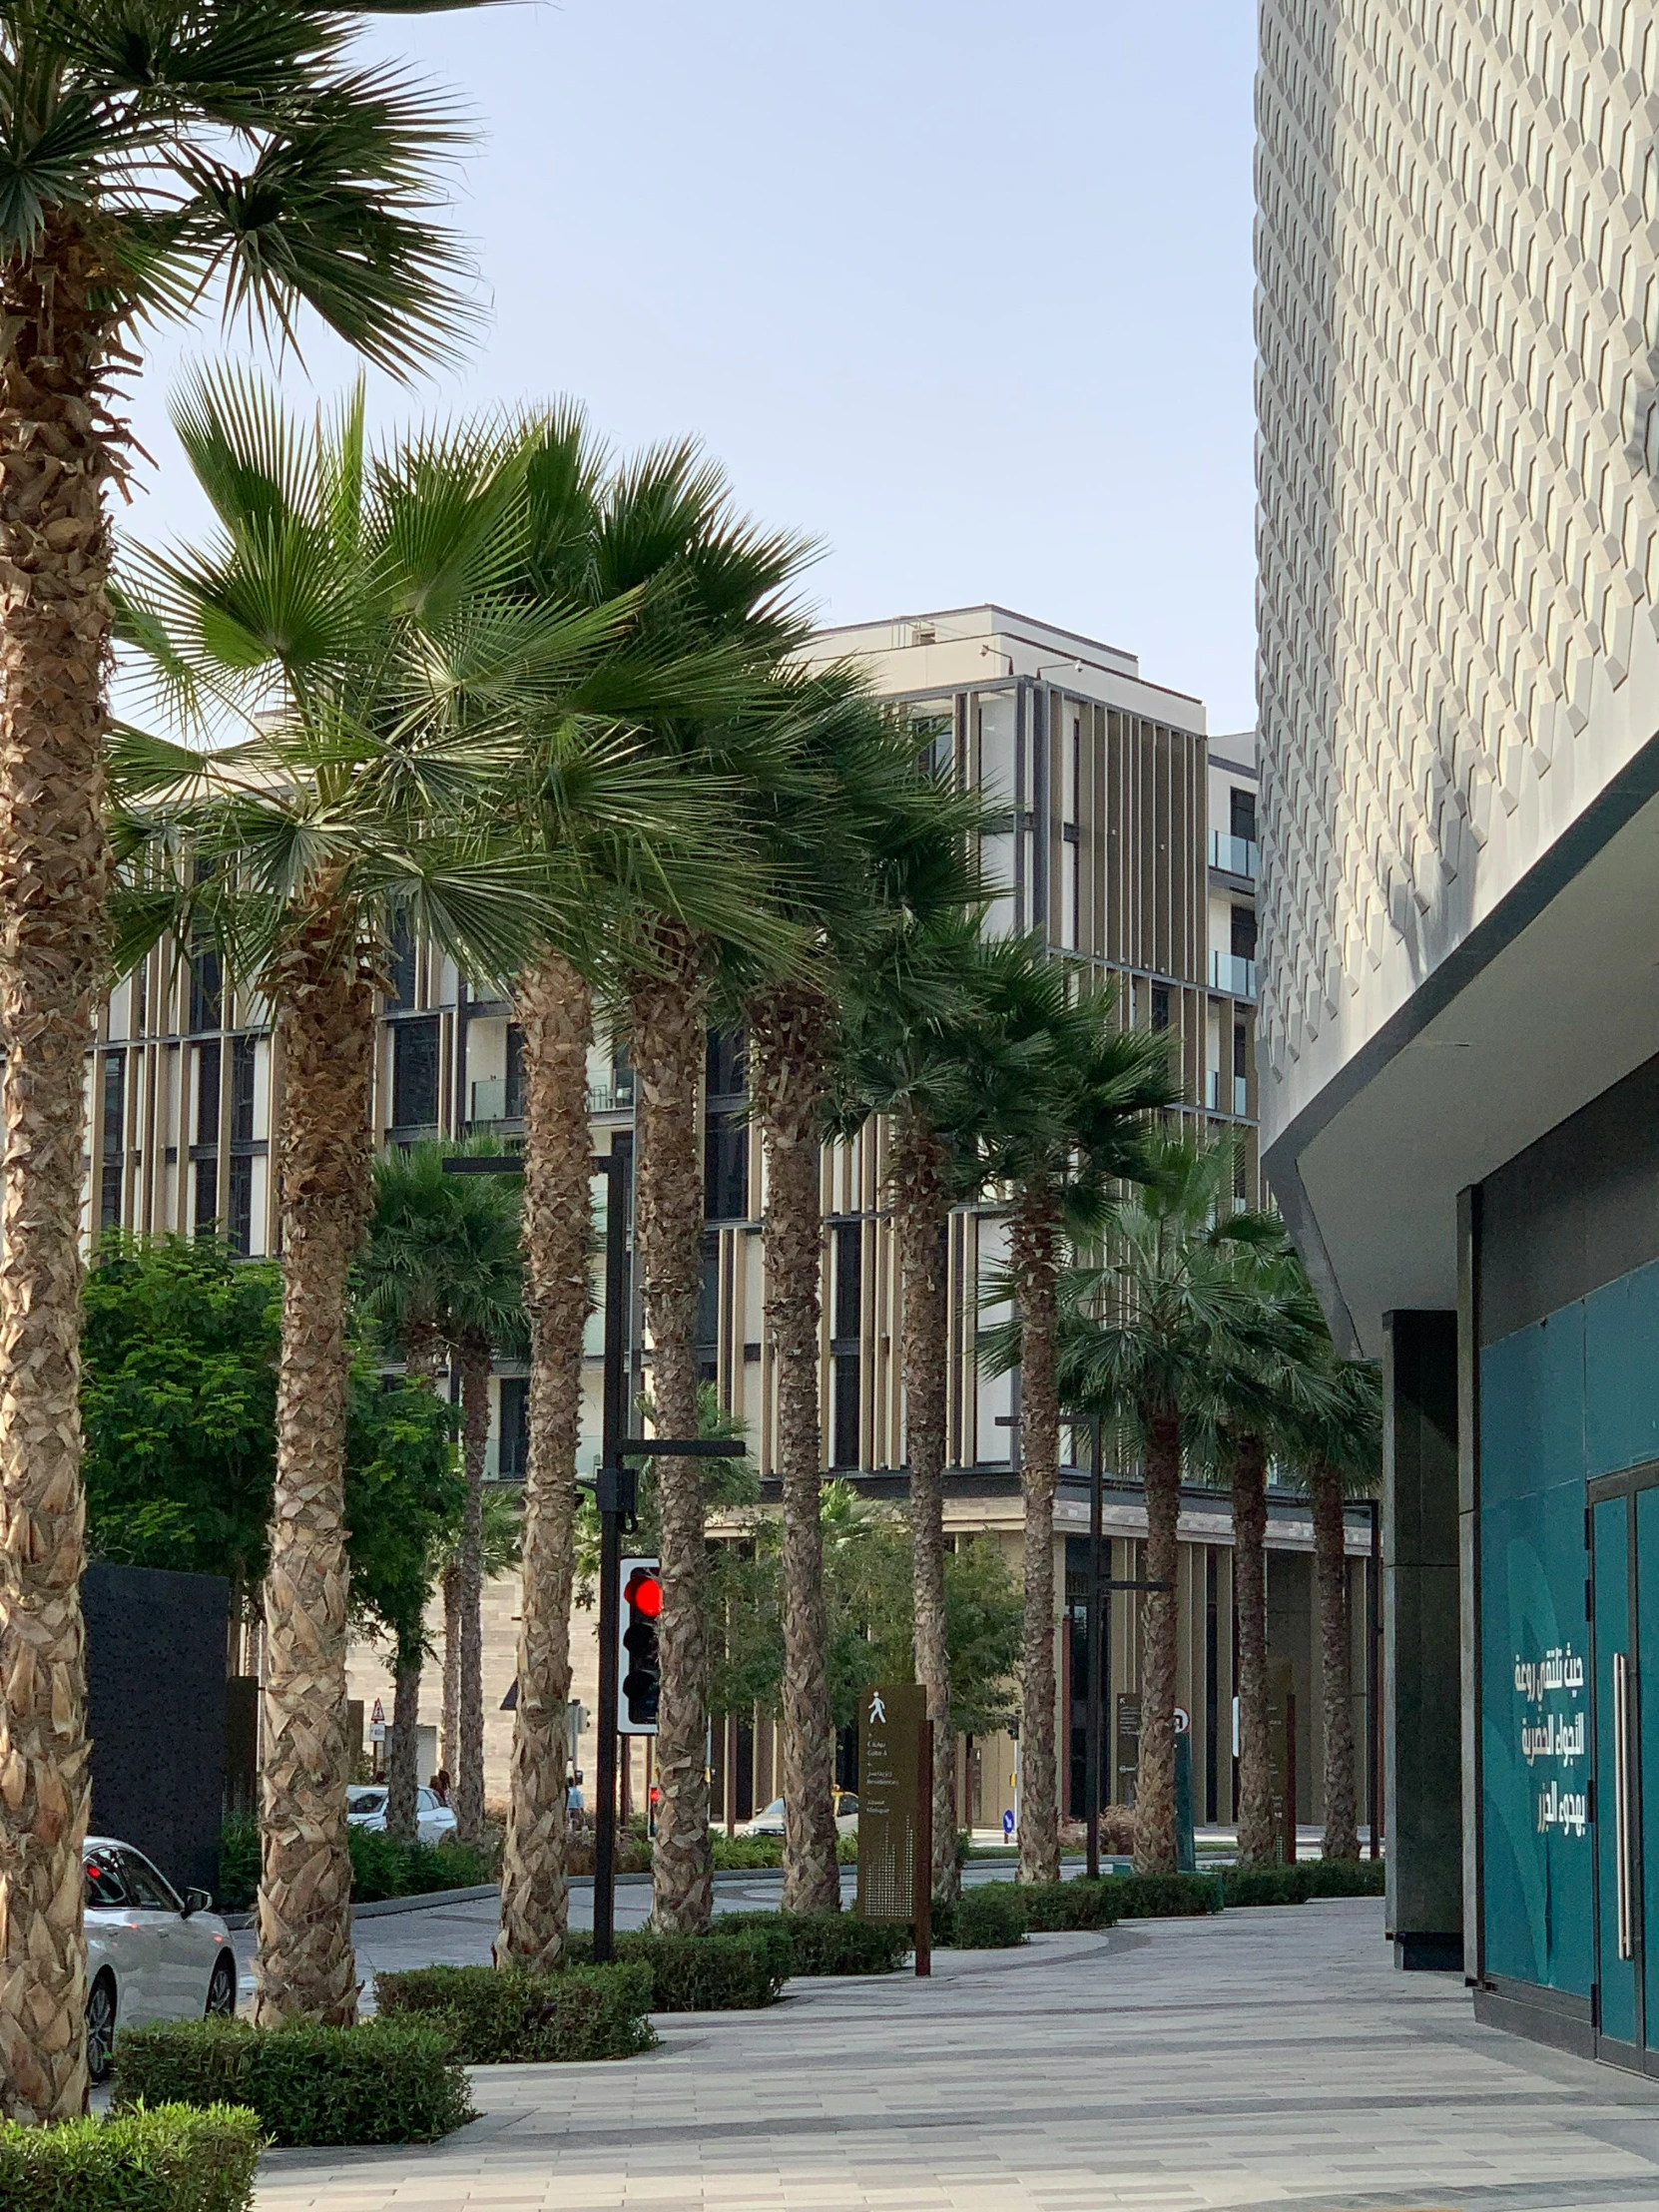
(1535,1832)
(1532,1409)
(1612,1624)
(1647,1737)
(1621,1372)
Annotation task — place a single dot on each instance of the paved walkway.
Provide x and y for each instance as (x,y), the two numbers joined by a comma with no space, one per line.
(1254,2060)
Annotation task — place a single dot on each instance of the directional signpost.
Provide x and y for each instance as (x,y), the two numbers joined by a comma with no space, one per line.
(895,1811)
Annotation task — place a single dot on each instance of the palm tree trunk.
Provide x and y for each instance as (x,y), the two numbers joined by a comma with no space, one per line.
(305,1968)
(449,1751)
(555,1009)
(922,1220)
(1342,1810)
(474,1353)
(1155,1778)
(55,460)
(1258,1841)
(403,1743)
(1036,1266)
(668,1008)
(788,1032)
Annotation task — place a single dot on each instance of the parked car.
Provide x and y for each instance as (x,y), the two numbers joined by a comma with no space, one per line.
(151,1955)
(366,1807)
(770,1821)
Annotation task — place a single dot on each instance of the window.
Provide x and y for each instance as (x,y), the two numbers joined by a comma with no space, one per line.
(414,1074)
(513,1091)
(240,1232)
(105,1887)
(1244,932)
(151,1893)
(847,1310)
(206,991)
(206,1093)
(207,1197)
(109,1196)
(1240,807)
(708,1310)
(1160,1007)
(513,1456)
(724,1075)
(1240,1070)
(402,965)
(242,1050)
(725,1167)
(115,1100)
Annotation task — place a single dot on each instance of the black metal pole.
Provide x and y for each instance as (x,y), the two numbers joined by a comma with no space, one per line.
(1374,1716)
(1096,1652)
(609,1490)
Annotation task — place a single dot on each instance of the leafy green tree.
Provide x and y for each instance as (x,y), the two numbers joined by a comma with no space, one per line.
(152,152)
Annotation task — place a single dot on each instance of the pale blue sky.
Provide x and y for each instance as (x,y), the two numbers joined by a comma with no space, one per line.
(962,289)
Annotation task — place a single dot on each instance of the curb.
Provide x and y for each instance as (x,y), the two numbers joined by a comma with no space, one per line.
(429,1901)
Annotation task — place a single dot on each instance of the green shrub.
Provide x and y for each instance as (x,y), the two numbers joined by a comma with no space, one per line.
(498,2017)
(1247,1886)
(1052,1907)
(703,1974)
(987,1916)
(238,1866)
(381,1866)
(166,2159)
(830,1943)
(1343,1878)
(387,2081)
(1163,1897)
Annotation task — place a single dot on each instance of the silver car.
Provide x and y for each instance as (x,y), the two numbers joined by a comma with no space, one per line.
(151,1955)
(366,1807)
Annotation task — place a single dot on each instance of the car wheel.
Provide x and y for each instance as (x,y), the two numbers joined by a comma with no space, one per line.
(221,1990)
(101,2027)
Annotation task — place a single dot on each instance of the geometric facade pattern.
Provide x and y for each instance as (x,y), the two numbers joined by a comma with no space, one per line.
(1458,327)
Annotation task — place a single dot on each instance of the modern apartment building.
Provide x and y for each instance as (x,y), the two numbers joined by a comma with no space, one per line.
(1129,840)
(1459,338)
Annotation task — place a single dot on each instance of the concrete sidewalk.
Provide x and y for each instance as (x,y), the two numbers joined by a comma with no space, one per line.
(1254,2060)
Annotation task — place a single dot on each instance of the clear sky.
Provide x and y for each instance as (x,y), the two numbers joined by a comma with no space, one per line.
(962,290)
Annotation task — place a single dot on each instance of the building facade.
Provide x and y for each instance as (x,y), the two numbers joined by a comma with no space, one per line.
(1458,453)
(1128,840)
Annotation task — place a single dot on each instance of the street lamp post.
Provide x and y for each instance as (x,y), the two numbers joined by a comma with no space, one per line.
(1096,1650)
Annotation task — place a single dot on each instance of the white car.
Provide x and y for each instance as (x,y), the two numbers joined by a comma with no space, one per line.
(366,1807)
(151,1955)
(770,1821)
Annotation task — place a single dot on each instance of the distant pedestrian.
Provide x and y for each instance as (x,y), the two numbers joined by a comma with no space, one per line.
(440,1785)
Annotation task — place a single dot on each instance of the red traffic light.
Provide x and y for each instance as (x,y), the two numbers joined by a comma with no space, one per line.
(644,1593)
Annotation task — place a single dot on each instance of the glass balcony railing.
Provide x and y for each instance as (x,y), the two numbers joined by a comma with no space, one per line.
(1236,854)
(1226,1094)
(1230,974)
(612,1098)
(492,1100)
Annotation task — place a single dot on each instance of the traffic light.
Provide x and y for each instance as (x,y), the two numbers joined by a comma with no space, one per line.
(641,1674)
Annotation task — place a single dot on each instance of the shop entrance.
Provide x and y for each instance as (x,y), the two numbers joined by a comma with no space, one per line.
(1624,1609)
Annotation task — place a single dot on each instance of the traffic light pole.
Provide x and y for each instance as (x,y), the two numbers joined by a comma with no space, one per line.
(615,1488)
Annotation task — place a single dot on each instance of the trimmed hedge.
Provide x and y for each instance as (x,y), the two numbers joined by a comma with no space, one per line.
(702,1974)
(1163,1897)
(987,1916)
(830,1943)
(1309,1878)
(500,2017)
(381,1866)
(1053,1907)
(166,2159)
(386,2081)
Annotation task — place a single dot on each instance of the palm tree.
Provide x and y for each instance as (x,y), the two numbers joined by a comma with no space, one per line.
(1268,1385)
(1140,1338)
(847,834)
(445,1249)
(1067,1094)
(904,1058)
(1337,1452)
(348,613)
(148,150)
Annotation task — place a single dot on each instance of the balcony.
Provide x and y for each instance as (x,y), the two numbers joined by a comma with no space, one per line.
(1232,974)
(1234,855)
(1216,1092)
(493,1101)
(612,1098)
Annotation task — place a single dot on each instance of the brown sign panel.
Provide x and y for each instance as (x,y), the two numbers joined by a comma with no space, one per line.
(890,1721)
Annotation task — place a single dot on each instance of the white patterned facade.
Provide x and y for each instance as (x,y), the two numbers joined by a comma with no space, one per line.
(1458,256)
